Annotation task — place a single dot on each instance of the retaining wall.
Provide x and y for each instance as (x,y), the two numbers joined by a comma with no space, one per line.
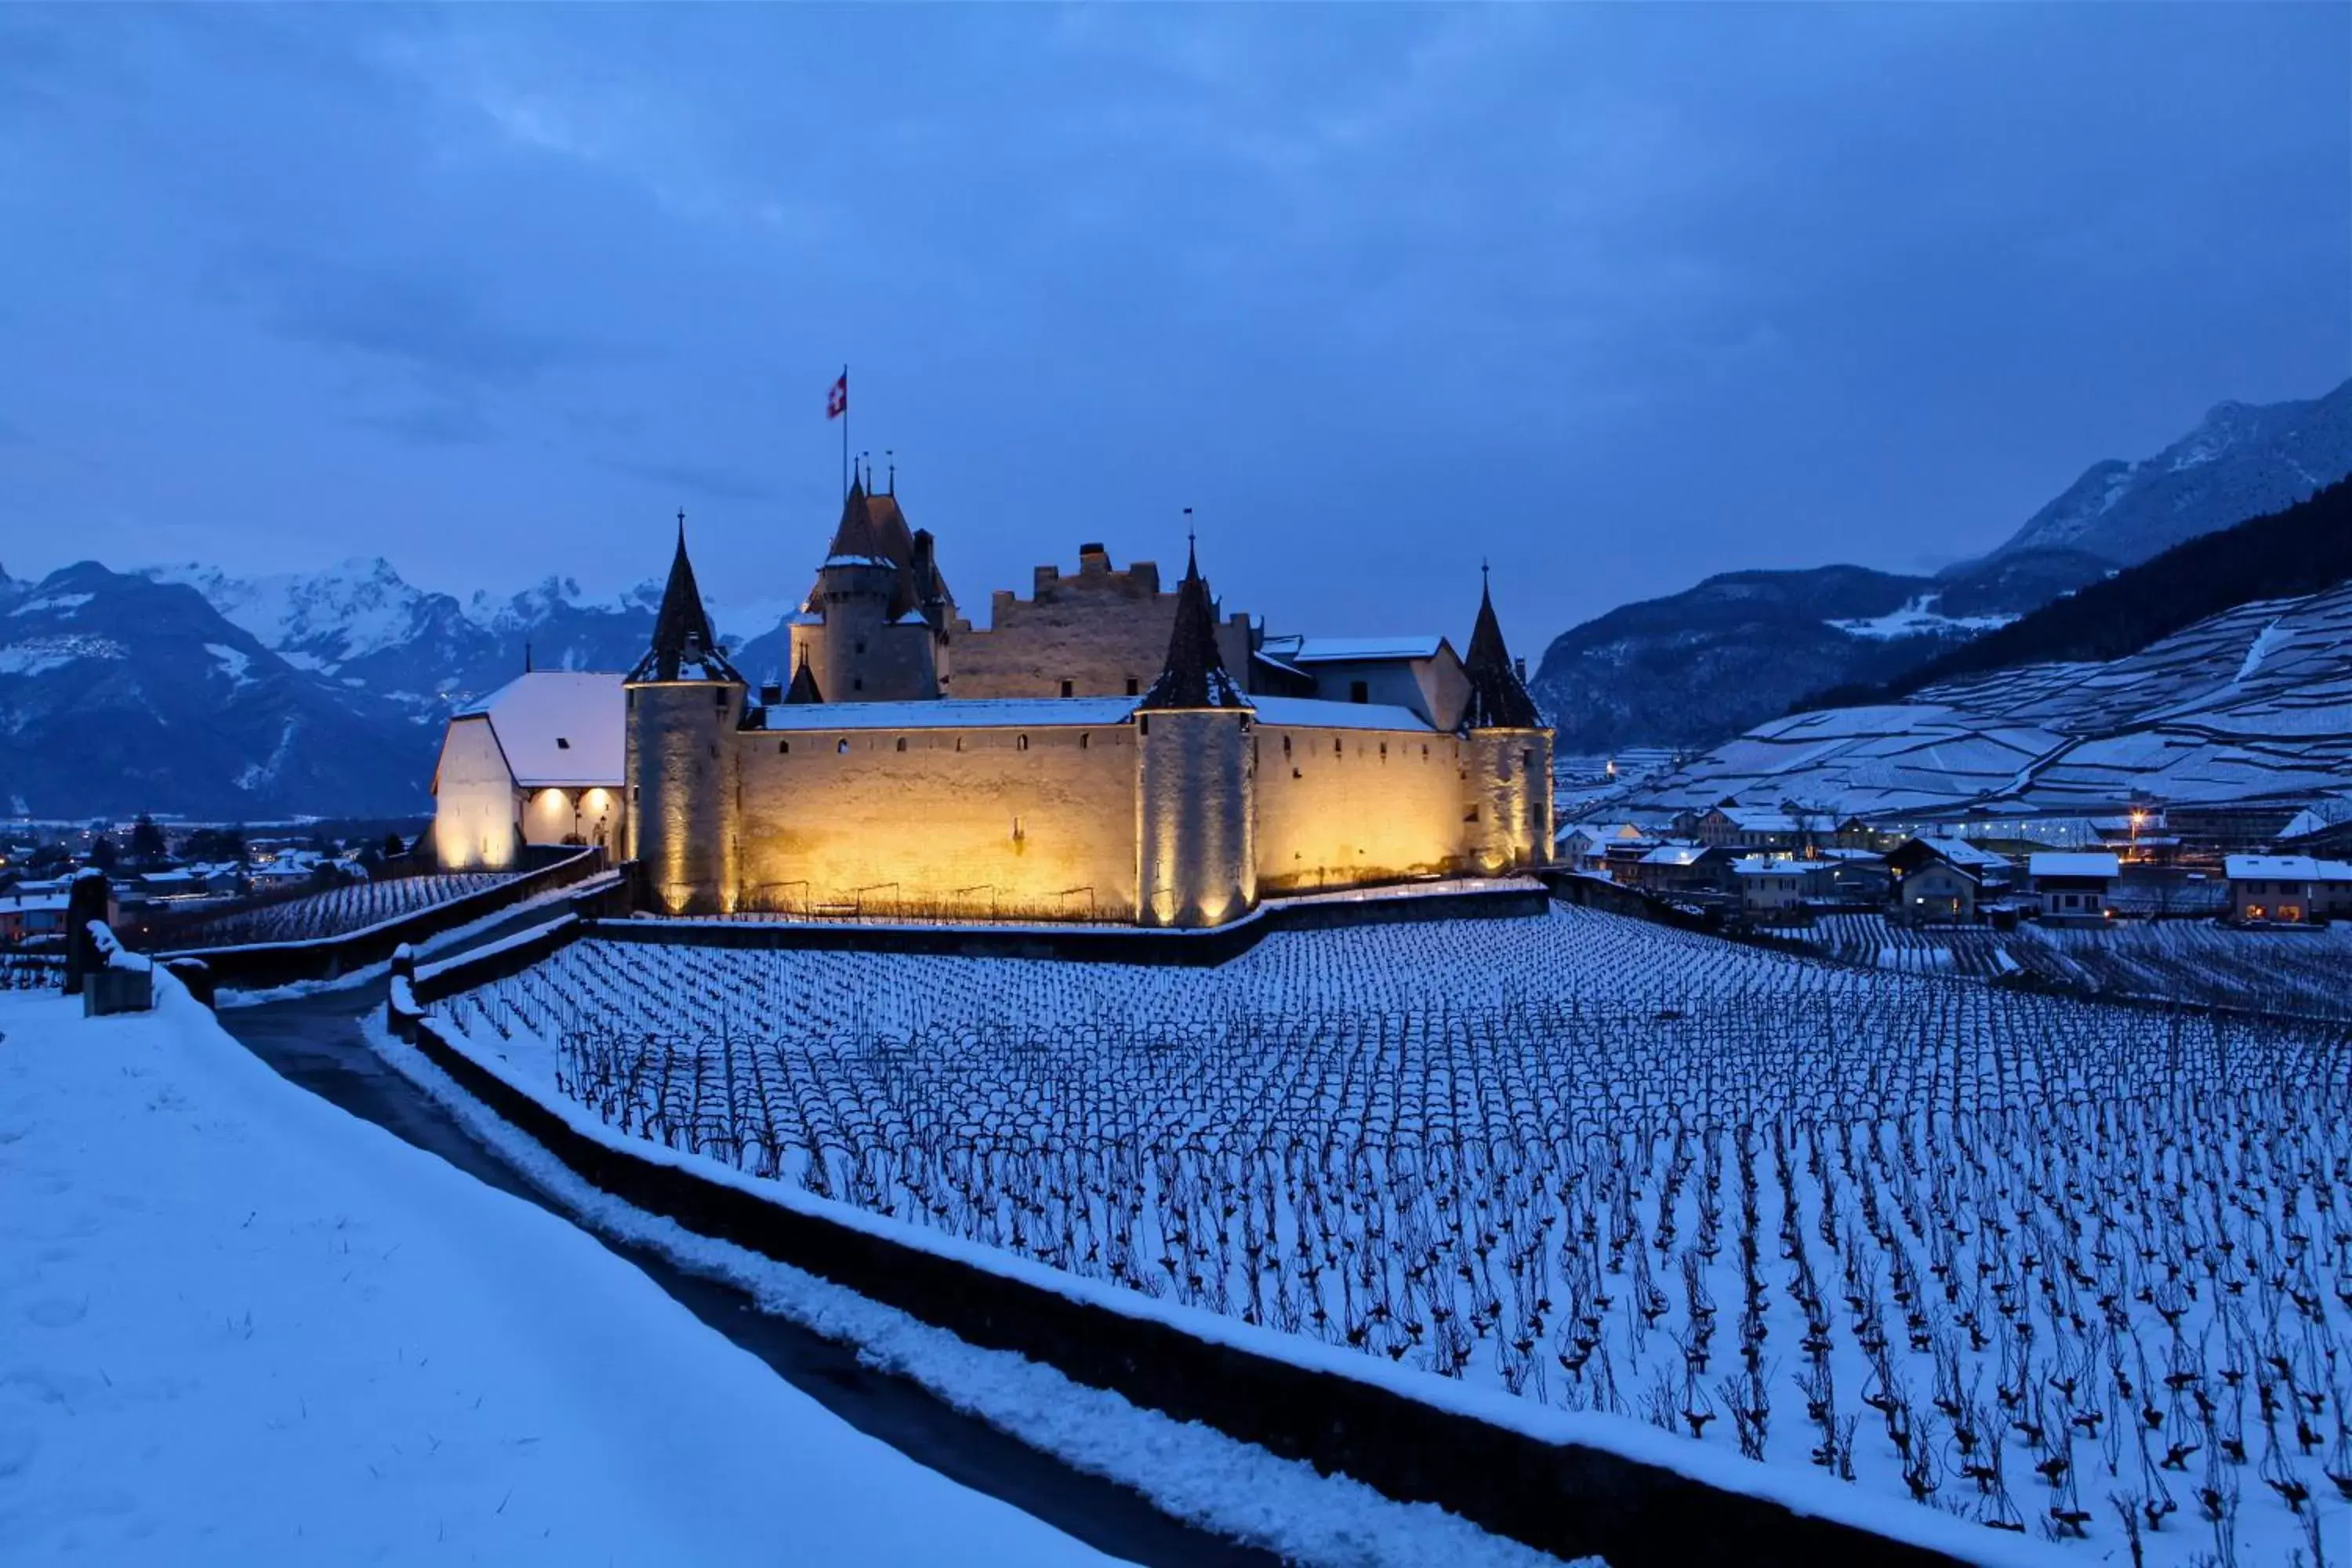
(252,966)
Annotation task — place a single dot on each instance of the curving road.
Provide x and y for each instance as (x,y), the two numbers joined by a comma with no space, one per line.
(315,1042)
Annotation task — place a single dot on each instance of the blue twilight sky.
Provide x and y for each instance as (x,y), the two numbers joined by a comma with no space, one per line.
(1618,295)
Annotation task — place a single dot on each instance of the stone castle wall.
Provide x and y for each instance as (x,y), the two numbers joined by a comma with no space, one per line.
(1336,807)
(1196,820)
(974,822)
(473,805)
(682,783)
(1507,783)
(1103,632)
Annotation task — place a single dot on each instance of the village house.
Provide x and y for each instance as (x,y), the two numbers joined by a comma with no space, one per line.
(1941,881)
(1586,845)
(1748,827)
(24,917)
(1773,887)
(2070,885)
(2288,890)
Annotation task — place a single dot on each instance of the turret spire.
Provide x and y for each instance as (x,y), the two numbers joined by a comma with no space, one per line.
(1194,676)
(1498,697)
(684,647)
(804,686)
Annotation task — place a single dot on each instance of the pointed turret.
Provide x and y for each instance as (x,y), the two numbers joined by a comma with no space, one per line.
(1194,675)
(683,647)
(1498,697)
(856,541)
(804,686)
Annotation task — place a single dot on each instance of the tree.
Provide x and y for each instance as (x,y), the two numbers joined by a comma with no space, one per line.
(392,848)
(147,839)
(101,853)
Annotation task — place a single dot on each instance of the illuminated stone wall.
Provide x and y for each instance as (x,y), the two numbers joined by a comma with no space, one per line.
(563,816)
(681,772)
(1336,807)
(1196,827)
(1102,631)
(474,802)
(1507,783)
(976,823)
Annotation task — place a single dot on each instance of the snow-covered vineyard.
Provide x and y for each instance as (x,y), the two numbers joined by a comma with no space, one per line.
(2306,970)
(2077,1270)
(334,912)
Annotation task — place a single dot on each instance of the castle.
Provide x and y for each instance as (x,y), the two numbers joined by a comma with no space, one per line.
(1104,749)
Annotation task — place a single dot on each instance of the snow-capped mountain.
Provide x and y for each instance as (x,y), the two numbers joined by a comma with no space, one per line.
(119,693)
(1688,670)
(2242,461)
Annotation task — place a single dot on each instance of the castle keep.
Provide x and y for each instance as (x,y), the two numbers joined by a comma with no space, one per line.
(1104,749)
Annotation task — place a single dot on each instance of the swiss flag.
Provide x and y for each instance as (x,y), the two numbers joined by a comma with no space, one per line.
(836,402)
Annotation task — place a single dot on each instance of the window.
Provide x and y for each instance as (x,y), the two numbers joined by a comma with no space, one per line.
(1020,743)
(1285,745)
(1384,751)
(857,683)
(1083,739)
(783,748)
(860,647)
(563,745)
(1130,685)
(841,747)
(1338,748)
(902,743)
(1066,689)
(718,698)
(1359,691)
(1143,725)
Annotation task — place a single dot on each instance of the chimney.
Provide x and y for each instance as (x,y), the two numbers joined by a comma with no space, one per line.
(1519,669)
(772,693)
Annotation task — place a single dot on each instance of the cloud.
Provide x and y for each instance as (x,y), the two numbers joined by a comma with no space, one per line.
(708,483)
(436,423)
(428,321)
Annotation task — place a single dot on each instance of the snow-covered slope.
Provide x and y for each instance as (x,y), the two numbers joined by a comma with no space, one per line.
(2256,701)
(245,1328)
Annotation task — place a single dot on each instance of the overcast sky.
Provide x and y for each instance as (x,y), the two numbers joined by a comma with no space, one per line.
(1618,296)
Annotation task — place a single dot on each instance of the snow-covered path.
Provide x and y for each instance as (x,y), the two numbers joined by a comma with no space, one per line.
(237,1325)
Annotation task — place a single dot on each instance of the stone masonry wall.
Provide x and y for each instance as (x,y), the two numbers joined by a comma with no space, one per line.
(975,823)
(1382,805)
(1102,631)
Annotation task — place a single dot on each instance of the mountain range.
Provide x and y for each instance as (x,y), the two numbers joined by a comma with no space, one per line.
(1685,671)
(189,690)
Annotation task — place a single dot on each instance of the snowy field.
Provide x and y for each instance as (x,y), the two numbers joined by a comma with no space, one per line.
(2303,973)
(335,913)
(237,1326)
(2080,1271)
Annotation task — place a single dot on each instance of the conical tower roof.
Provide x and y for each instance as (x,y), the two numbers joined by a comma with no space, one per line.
(856,537)
(1498,697)
(684,647)
(803,687)
(1194,675)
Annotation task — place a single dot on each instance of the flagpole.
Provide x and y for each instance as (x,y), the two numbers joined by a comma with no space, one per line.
(845,430)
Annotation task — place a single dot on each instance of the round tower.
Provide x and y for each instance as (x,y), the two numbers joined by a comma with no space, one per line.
(869,641)
(685,701)
(1196,846)
(1506,758)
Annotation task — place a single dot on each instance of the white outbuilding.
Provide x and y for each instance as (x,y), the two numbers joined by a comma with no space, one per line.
(539,761)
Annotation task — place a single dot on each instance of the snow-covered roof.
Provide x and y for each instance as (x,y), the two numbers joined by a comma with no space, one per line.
(1773,865)
(1601,831)
(2060,863)
(1328,650)
(1675,855)
(1960,852)
(2286,868)
(1312,712)
(954,713)
(1758,818)
(559,726)
(33,902)
(881,560)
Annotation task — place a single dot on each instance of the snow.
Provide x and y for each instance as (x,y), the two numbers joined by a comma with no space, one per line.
(38,656)
(248,1328)
(953,714)
(1191,1471)
(2064,863)
(234,662)
(1310,712)
(53,603)
(533,715)
(1920,617)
